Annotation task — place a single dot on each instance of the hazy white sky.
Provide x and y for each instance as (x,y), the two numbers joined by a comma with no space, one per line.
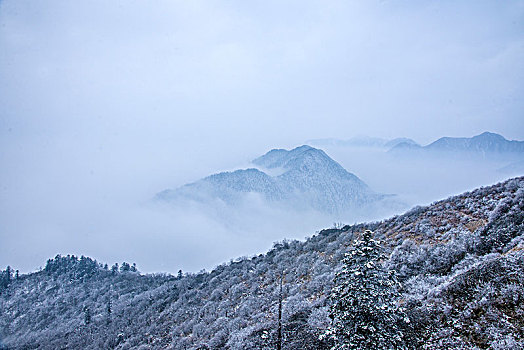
(104,103)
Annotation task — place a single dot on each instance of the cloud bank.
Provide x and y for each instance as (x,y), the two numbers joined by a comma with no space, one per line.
(104,104)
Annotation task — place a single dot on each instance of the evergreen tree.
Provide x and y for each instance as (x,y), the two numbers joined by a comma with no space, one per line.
(109,309)
(125,267)
(9,274)
(365,313)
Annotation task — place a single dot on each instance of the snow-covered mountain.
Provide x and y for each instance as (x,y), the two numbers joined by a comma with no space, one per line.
(301,178)
(361,141)
(483,143)
(399,140)
(486,144)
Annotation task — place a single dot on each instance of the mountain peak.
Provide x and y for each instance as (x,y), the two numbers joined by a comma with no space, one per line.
(489,136)
(488,133)
(303,177)
(277,158)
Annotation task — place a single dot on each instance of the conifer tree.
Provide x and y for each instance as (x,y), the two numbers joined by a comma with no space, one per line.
(365,313)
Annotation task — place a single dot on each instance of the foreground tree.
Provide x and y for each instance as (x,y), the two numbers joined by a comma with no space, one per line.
(365,312)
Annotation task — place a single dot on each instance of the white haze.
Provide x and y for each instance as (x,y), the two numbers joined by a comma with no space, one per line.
(105,103)
(420,180)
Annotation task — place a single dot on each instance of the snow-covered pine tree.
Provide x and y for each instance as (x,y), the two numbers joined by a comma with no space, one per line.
(365,313)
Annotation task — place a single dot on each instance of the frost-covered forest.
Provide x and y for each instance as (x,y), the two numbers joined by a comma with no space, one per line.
(458,263)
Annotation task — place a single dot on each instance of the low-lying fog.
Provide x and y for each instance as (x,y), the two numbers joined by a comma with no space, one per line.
(102,206)
(103,104)
(419,180)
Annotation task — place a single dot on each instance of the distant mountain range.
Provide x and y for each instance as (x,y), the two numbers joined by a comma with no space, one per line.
(485,145)
(302,178)
(362,141)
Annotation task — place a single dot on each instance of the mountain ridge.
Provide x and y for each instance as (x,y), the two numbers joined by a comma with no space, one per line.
(361,141)
(485,144)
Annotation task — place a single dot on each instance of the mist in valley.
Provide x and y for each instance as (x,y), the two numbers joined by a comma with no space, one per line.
(420,180)
(115,220)
(106,104)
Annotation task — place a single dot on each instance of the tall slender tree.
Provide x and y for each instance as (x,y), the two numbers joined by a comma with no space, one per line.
(280,297)
(365,312)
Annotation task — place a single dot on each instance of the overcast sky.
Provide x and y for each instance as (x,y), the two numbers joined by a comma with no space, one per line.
(104,103)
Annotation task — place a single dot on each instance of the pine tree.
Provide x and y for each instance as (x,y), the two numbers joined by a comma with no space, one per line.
(365,312)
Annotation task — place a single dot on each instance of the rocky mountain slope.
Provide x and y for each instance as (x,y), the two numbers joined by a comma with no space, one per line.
(302,178)
(459,261)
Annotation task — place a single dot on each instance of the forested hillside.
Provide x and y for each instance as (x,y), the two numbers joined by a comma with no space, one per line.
(460,263)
